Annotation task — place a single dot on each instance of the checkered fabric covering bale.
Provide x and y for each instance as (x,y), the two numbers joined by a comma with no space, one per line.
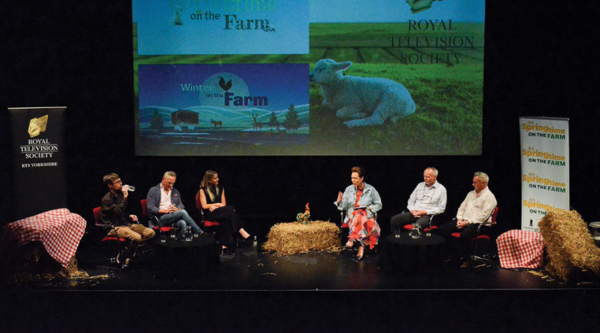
(520,249)
(295,237)
(569,244)
(59,231)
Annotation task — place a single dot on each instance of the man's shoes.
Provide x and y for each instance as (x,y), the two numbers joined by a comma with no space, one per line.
(227,252)
(125,265)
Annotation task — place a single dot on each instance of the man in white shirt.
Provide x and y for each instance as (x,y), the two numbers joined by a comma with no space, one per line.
(428,198)
(477,208)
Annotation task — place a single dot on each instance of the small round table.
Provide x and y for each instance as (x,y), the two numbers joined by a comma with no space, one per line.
(410,255)
(189,258)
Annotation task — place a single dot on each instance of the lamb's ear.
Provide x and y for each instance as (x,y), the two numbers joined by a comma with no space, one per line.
(343,65)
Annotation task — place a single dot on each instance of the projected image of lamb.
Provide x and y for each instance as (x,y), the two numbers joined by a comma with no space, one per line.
(366,101)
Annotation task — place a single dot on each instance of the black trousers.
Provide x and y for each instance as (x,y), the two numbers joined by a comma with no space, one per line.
(467,234)
(230,223)
(397,221)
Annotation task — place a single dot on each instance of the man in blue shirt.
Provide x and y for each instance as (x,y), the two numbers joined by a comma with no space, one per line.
(428,199)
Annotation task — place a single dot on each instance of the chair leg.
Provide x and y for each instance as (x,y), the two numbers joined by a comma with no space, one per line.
(482,259)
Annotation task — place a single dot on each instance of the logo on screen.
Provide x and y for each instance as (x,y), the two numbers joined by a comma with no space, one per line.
(230,91)
(417,6)
(176,19)
(37,126)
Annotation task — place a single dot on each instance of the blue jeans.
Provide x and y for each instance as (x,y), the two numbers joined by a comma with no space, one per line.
(180,219)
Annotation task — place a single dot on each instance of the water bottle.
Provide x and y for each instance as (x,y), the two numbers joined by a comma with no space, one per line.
(255,242)
(188,234)
(130,188)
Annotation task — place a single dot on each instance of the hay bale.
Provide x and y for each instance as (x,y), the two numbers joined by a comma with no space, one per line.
(570,247)
(30,262)
(295,237)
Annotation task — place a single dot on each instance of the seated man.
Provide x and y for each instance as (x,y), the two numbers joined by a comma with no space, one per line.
(113,211)
(477,208)
(164,202)
(429,198)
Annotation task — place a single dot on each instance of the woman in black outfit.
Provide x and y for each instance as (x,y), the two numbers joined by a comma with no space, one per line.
(214,205)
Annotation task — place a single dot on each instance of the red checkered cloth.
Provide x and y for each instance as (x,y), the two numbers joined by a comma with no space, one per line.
(59,231)
(520,249)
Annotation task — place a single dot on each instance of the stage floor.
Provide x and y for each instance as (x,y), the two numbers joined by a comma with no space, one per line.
(252,269)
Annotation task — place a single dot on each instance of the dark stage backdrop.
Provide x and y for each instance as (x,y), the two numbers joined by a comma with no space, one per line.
(539,62)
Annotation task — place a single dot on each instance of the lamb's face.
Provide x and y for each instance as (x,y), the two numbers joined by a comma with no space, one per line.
(327,70)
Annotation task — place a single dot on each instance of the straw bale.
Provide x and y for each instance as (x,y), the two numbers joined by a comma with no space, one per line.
(295,237)
(30,262)
(570,247)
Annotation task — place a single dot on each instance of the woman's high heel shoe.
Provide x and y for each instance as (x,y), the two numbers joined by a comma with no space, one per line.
(361,252)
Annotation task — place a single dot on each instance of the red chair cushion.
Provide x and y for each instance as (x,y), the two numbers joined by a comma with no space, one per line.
(410,226)
(211,224)
(162,229)
(113,238)
(480,237)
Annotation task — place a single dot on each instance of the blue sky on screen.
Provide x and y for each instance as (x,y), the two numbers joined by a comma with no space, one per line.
(175,27)
(354,11)
(283,84)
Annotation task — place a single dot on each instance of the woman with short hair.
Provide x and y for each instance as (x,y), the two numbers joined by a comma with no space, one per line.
(361,203)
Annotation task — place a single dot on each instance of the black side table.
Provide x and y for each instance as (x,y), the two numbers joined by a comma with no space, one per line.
(186,258)
(408,255)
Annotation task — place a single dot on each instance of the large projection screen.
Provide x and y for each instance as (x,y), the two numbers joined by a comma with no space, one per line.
(308,77)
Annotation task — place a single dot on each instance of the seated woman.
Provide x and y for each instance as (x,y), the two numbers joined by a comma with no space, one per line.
(214,205)
(361,203)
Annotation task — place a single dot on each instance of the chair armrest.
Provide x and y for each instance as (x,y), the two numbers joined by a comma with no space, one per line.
(104,225)
(152,221)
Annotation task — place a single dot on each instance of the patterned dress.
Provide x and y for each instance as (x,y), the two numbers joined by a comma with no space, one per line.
(362,229)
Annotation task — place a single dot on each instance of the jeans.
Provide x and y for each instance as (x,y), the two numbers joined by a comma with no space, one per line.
(180,219)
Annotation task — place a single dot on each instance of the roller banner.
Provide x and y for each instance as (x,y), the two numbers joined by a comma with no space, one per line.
(545,167)
(39,163)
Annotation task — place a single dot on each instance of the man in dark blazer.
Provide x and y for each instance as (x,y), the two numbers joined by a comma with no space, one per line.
(164,202)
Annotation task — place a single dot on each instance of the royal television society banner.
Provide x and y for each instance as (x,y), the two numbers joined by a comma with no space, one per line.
(545,167)
(39,175)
